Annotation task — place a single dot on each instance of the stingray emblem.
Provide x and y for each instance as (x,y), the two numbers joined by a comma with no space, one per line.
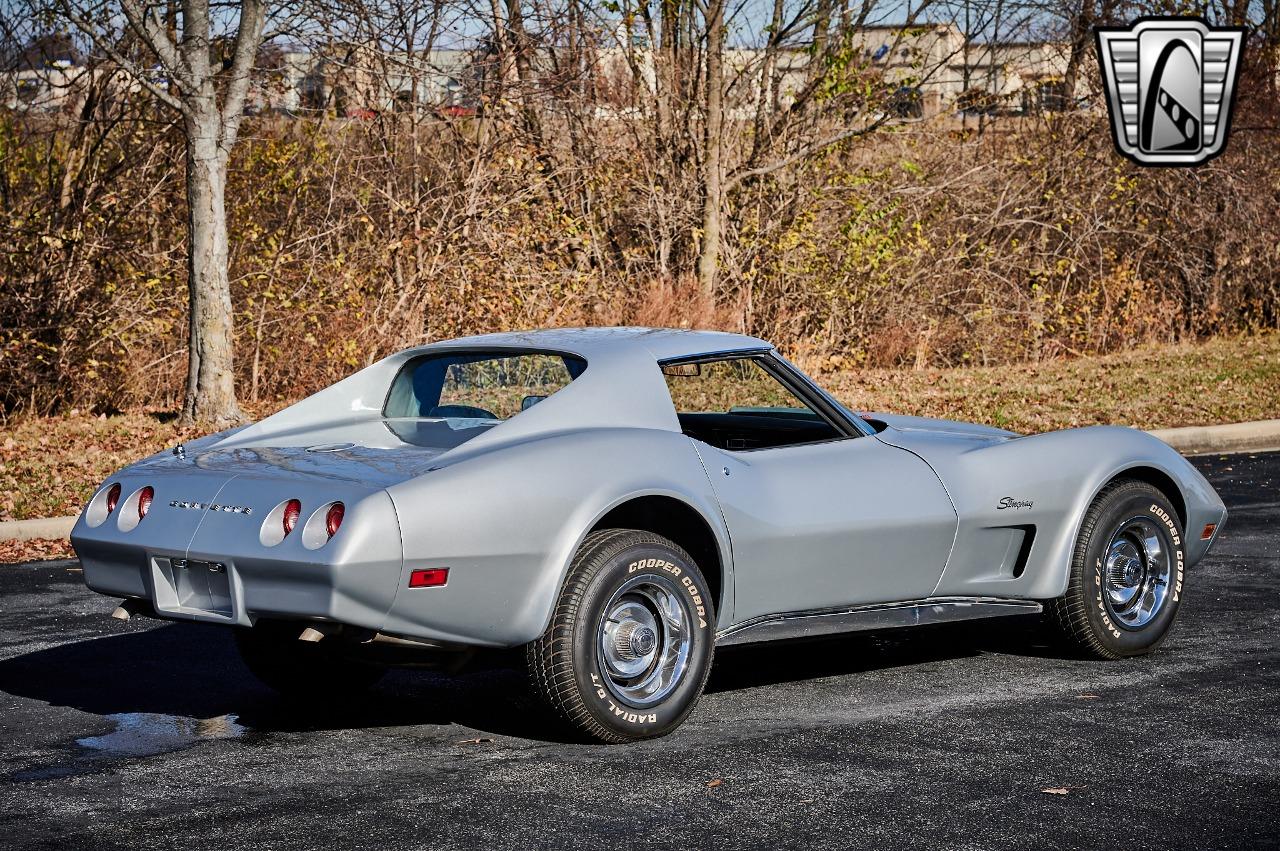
(1170,84)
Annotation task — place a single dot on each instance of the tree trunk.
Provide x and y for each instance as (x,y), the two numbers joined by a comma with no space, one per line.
(713,180)
(211,394)
(770,80)
(821,29)
(186,59)
(1081,40)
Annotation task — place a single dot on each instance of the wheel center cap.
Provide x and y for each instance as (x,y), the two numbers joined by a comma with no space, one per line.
(634,640)
(643,640)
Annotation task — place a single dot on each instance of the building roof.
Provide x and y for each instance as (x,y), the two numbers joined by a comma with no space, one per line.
(53,50)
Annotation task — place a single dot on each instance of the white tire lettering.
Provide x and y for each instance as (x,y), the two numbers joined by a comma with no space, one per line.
(695,595)
(1102,607)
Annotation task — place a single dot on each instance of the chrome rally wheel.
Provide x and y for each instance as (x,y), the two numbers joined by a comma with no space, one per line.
(645,640)
(630,642)
(1126,575)
(1136,573)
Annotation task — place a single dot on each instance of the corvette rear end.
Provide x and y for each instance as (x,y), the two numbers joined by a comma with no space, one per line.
(231,547)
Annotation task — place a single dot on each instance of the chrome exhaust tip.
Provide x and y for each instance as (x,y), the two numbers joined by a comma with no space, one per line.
(130,607)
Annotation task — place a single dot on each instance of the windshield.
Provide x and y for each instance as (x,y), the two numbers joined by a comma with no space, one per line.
(472,391)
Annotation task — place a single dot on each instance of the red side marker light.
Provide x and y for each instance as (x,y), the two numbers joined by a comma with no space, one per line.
(429,577)
(1209,529)
(144,501)
(113,497)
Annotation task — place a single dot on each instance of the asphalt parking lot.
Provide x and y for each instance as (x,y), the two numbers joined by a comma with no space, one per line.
(150,734)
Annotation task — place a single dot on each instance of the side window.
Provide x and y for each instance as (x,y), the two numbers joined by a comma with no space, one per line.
(737,404)
(502,387)
(471,389)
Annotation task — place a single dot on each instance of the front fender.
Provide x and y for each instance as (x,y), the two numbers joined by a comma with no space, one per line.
(1060,474)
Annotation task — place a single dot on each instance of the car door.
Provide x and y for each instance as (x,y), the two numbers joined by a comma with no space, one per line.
(820,514)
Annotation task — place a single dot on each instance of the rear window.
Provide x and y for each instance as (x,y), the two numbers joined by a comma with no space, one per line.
(477,389)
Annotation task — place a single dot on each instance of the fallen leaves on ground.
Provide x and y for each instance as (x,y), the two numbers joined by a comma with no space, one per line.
(36,549)
(1062,790)
(711,784)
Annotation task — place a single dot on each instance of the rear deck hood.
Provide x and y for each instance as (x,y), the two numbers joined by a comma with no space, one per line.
(214,494)
(371,455)
(371,468)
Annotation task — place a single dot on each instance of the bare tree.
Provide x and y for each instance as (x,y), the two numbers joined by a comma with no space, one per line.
(713,176)
(841,95)
(205,78)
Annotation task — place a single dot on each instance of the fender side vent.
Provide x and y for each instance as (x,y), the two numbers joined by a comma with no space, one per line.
(1024,549)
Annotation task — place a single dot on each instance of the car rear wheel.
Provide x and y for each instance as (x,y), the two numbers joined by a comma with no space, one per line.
(631,639)
(303,669)
(1126,576)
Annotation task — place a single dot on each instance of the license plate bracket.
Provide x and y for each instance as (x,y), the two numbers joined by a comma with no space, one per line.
(194,586)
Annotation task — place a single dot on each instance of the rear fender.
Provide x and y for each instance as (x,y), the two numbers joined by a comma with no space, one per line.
(508,522)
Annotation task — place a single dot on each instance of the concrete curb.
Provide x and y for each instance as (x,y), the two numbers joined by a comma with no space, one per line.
(1260,436)
(45,527)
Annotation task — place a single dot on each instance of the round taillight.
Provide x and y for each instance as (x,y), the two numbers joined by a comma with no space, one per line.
(333,519)
(144,501)
(113,497)
(292,510)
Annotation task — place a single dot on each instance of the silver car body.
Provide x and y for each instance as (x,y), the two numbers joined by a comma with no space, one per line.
(905,515)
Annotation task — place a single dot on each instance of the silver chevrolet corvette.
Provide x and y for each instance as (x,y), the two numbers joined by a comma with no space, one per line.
(614,504)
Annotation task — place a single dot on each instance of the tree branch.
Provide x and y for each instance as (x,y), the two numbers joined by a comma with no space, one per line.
(195,40)
(150,30)
(804,153)
(87,27)
(253,17)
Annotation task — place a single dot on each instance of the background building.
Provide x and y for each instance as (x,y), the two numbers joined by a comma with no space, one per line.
(935,67)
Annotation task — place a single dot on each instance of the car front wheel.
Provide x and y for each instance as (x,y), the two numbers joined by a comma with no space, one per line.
(630,642)
(1126,576)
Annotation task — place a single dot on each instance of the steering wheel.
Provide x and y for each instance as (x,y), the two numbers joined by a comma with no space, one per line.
(468,412)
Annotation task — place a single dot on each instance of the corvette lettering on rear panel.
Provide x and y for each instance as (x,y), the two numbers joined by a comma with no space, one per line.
(200,506)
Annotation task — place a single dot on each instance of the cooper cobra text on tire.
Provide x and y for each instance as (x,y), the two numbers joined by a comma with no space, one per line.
(1126,581)
(630,642)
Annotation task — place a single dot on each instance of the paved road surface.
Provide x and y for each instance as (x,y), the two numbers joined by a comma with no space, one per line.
(151,735)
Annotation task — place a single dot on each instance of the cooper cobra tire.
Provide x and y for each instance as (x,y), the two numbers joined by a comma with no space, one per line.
(302,669)
(630,642)
(1126,576)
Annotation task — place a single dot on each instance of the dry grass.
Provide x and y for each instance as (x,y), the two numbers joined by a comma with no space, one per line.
(1222,381)
(50,465)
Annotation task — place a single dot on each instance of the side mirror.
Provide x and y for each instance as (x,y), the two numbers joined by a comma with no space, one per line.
(529,401)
